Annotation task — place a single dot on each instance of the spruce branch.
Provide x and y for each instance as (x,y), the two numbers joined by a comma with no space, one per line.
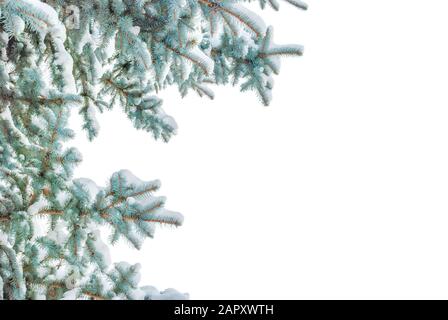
(123,54)
(297,3)
(53,137)
(198,58)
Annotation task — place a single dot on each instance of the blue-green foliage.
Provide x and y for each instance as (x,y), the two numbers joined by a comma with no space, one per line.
(91,56)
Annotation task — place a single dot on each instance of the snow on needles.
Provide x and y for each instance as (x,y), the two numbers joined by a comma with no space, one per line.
(44,19)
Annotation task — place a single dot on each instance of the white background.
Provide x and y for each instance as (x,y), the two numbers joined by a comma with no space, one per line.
(339,189)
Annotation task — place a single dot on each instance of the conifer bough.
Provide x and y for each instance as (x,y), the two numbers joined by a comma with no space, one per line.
(58,56)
